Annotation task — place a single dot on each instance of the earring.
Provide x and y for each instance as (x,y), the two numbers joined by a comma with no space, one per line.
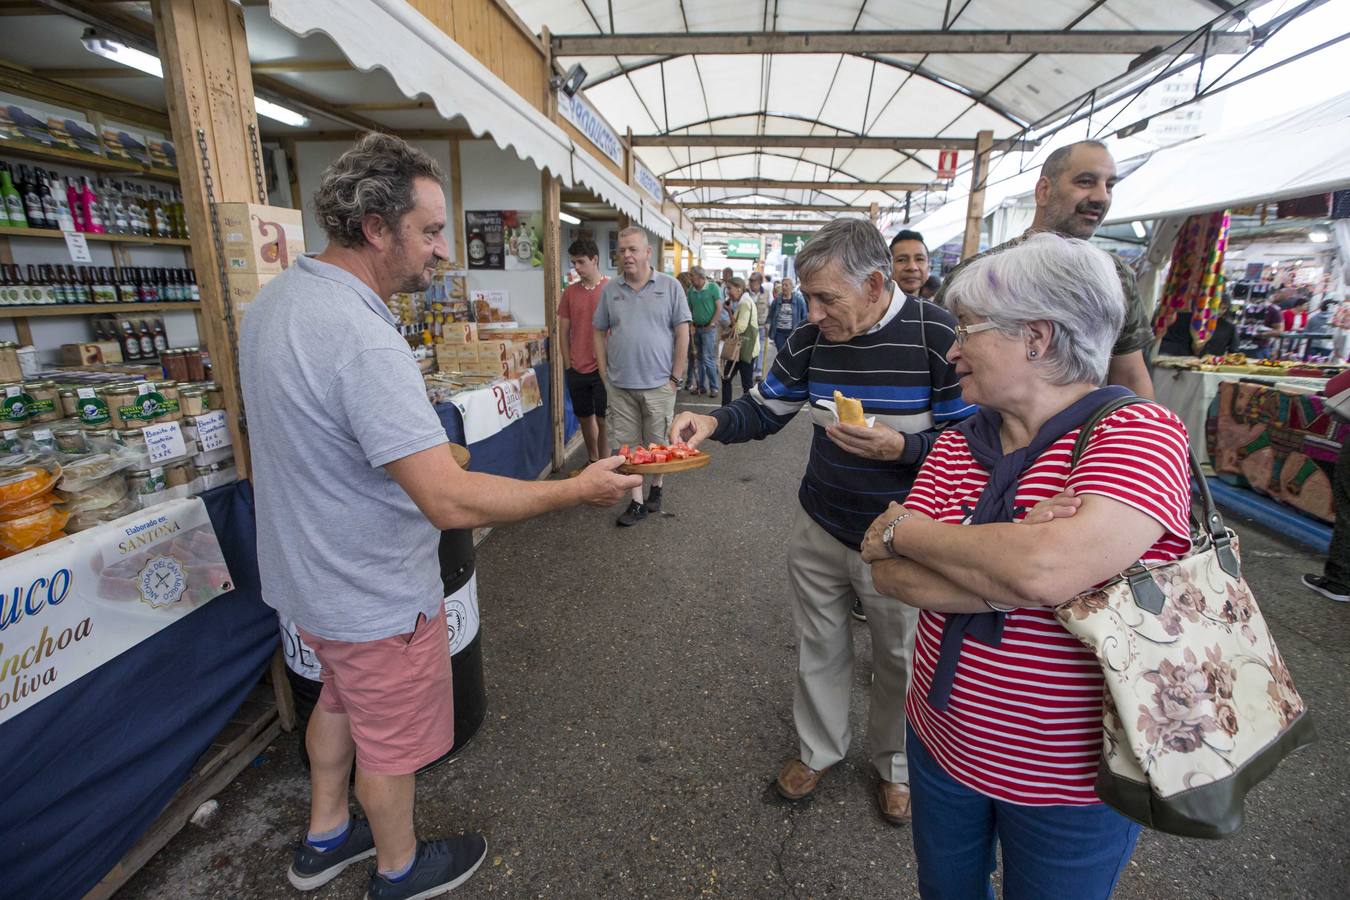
(1032,354)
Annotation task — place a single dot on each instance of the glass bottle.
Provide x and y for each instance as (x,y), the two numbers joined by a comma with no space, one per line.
(131,342)
(147,341)
(161,342)
(13,214)
(89,208)
(32,199)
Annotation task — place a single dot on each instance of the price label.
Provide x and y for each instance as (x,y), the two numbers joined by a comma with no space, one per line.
(165,442)
(78,247)
(212,431)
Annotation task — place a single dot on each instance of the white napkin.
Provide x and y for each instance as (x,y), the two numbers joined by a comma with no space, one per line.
(829,404)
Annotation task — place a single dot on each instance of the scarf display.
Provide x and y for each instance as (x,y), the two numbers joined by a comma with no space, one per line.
(1195,279)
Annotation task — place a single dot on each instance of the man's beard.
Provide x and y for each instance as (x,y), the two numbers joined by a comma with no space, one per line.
(417,282)
(1073,226)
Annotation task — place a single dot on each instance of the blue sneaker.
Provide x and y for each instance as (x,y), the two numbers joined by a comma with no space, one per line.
(312,868)
(440,867)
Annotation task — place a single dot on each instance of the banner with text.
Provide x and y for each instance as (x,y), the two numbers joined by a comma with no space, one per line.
(580,113)
(72,605)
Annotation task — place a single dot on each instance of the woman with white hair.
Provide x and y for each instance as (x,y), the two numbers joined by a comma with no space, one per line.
(1005,705)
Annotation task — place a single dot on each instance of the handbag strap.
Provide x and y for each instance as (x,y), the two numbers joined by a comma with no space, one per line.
(1212,525)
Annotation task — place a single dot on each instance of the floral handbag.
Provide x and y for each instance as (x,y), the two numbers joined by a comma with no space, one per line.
(1199,705)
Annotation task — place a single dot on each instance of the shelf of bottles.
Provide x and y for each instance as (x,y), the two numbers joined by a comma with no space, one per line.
(43,201)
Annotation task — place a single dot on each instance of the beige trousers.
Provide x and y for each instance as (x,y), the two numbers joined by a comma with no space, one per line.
(825,576)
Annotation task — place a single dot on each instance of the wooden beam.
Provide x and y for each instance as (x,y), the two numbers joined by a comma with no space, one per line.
(979,177)
(282,66)
(841,141)
(785,224)
(385,106)
(778,207)
(91,72)
(1095,43)
(210,93)
(760,184)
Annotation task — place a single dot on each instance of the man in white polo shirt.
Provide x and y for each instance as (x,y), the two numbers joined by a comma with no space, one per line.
(354,482)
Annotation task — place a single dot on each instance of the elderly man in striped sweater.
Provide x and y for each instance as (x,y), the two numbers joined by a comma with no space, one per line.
(865,338)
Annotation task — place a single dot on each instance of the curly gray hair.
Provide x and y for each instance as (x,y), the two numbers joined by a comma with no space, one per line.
(1049,278)
(374,177)
(855,243)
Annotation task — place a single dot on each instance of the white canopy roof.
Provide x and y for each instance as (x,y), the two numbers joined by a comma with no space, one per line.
(1295,154)
(925,95)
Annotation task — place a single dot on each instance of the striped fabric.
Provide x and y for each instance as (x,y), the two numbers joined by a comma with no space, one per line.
(1024,720)
(900,373)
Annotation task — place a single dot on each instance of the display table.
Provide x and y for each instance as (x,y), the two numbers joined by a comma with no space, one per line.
(507,426)
(1190,392)
(91,766)
(1278,440)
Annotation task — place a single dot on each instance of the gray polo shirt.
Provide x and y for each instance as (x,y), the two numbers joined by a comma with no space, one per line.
(641,329)
(332,394)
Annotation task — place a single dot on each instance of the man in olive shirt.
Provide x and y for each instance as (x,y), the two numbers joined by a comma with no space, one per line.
(703,299)
(1073,196)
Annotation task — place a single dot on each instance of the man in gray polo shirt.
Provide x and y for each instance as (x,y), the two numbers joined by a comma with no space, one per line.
(641,345)
(354,481)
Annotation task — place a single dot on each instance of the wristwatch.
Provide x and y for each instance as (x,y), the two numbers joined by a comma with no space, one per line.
(889,534)
(675,381)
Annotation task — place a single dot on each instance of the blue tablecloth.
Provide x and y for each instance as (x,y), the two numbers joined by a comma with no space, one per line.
(524,448)
(87,770)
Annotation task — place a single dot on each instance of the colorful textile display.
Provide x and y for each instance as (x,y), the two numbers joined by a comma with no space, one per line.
(1277,441)
(1195,280)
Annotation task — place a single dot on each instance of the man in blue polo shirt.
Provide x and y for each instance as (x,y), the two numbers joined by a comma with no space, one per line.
(865,338)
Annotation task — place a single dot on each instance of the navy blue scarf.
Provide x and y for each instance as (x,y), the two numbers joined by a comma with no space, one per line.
(996,505)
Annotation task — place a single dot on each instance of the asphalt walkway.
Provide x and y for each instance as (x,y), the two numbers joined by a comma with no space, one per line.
(639,687)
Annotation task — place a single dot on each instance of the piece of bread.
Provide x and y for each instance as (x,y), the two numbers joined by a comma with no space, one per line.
(850,411)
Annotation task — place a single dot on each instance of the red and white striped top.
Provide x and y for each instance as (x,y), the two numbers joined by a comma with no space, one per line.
(1024,720)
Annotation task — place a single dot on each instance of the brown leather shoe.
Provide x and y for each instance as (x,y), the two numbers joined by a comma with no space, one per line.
(893,802)
(797,780)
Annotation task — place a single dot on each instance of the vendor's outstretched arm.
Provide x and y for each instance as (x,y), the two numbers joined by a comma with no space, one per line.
(452,498)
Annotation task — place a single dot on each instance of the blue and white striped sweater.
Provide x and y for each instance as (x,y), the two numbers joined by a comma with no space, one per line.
(900,375)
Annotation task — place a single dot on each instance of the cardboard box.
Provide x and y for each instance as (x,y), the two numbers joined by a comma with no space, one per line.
(91,354)
(243,290)
(260,240)
(459,333)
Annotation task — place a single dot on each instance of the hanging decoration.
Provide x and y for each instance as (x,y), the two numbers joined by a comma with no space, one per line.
(1195,279)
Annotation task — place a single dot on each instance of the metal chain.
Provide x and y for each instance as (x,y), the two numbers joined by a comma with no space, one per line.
(255,144)
(231,335)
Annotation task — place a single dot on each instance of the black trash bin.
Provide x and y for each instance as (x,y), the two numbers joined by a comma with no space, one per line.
(466,657)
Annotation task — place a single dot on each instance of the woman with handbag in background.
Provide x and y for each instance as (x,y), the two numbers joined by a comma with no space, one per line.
(740,339)
(1005,704)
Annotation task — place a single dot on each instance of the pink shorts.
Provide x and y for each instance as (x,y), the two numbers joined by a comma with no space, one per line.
(396,692)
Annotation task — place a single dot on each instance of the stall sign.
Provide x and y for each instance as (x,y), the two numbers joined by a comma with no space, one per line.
(72,605)
(743,248)
(647,181)
(793,242)
(580,113)
(509,239)
(213,431)
(165,442)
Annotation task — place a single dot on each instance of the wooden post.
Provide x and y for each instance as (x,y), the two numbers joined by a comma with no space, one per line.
(551,189)
(457,207)
(979,176)
(210,95)
(874,212)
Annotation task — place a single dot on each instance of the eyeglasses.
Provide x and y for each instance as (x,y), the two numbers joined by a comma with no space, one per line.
(965,331)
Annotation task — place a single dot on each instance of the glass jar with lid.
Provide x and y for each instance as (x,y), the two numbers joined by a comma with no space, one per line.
(46,401)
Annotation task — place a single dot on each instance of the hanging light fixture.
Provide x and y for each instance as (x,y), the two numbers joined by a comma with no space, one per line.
(136,58)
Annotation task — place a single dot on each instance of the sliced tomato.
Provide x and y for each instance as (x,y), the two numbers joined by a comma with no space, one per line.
(677,453)
(623,451)
(660,456)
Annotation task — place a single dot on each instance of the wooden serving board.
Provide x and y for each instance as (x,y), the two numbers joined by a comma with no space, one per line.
(461,455)
(665,468)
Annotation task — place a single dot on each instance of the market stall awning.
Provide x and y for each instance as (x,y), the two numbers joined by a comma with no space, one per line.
(423,60)
(587,170)
(1291,155)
